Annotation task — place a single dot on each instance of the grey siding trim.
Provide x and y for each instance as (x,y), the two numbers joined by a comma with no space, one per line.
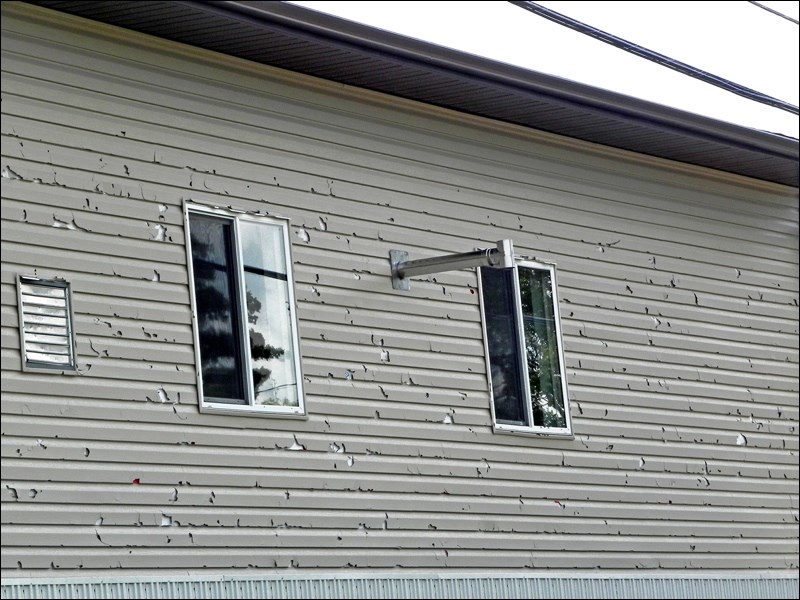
(678,296)
(413,586)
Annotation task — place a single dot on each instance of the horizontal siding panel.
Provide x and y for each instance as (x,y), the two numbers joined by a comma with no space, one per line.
(150,502)
(623,352)
(142,558)
(589,316)
(613,455)
(90,207)
(87,218)
(725,297)
(494,473)
(659,370)
(40,387)
(747,296)
(645,413)
(348,110)
(182,516)
(663,313)
(216,537)
(388,436)
(694,405)
(647,299)
(67,160)
(681,388)
(560,237)
(312,119)
(600,334)
(222,480)
(48,238)
(124,169)
(388,339)
(402,323)
(106,367)
(332,352)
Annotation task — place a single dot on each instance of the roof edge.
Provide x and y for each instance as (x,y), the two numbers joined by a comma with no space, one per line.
(350,33)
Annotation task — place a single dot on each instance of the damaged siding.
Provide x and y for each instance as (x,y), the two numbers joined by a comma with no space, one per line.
(679,300)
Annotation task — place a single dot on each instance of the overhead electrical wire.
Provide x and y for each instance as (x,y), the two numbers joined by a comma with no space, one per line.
(775,12)
(661,59)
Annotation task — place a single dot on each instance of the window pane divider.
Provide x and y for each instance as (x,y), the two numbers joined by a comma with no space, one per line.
(521,351)
(249,392)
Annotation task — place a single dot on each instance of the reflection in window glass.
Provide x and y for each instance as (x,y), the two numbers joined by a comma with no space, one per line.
(269,325)
(502,341)
(524,355)
(217,308)
(246,328)
(541,347)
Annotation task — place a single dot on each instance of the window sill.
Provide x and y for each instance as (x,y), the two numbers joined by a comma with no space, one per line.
(250,411)
(533,432)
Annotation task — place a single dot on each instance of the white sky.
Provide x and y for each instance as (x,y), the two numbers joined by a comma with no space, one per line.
(736,40)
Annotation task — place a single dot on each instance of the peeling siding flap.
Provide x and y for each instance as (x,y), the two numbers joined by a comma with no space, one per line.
(45,321)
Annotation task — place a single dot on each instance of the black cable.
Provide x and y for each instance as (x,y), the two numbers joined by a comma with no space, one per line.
(661,59)
(775,12)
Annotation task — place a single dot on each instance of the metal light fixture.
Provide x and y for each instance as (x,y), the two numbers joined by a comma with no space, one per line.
(500,257)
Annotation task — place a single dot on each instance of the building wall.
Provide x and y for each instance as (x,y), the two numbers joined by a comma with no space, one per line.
(679,300)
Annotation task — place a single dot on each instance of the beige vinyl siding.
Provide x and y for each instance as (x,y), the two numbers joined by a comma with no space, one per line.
(679,304)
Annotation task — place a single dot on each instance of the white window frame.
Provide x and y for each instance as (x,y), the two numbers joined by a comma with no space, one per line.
(250,408)
(529,428)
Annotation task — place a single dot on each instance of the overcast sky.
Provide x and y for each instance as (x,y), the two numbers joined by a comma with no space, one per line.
(736,40)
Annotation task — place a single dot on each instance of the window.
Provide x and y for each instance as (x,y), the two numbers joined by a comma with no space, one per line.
(524,354)
(244,313)
(45,324)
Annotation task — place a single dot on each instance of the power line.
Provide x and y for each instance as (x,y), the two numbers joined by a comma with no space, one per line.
(775,12)
(661,59)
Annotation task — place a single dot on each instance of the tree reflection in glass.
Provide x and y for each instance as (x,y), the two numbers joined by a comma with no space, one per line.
(508,391)
(529,346)
(222,330)
(213,266)
(541,347)
(269,322)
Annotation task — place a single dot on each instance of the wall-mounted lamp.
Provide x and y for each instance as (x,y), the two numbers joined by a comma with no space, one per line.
(501,257)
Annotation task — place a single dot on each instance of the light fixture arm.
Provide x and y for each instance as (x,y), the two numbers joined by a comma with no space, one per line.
(501,257)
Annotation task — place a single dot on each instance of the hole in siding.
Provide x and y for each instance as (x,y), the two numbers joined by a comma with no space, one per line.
(303,235)
(9,173)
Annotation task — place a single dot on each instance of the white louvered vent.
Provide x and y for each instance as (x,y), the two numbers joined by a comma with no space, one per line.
(45,319)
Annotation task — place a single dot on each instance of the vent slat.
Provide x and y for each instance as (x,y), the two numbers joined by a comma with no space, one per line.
(34,320)
(47,359)
(32,300)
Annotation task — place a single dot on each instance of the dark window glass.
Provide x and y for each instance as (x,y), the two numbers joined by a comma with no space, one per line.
(497,287)
(218,311)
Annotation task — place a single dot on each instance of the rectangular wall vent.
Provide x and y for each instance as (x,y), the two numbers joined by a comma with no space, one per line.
(45,322)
